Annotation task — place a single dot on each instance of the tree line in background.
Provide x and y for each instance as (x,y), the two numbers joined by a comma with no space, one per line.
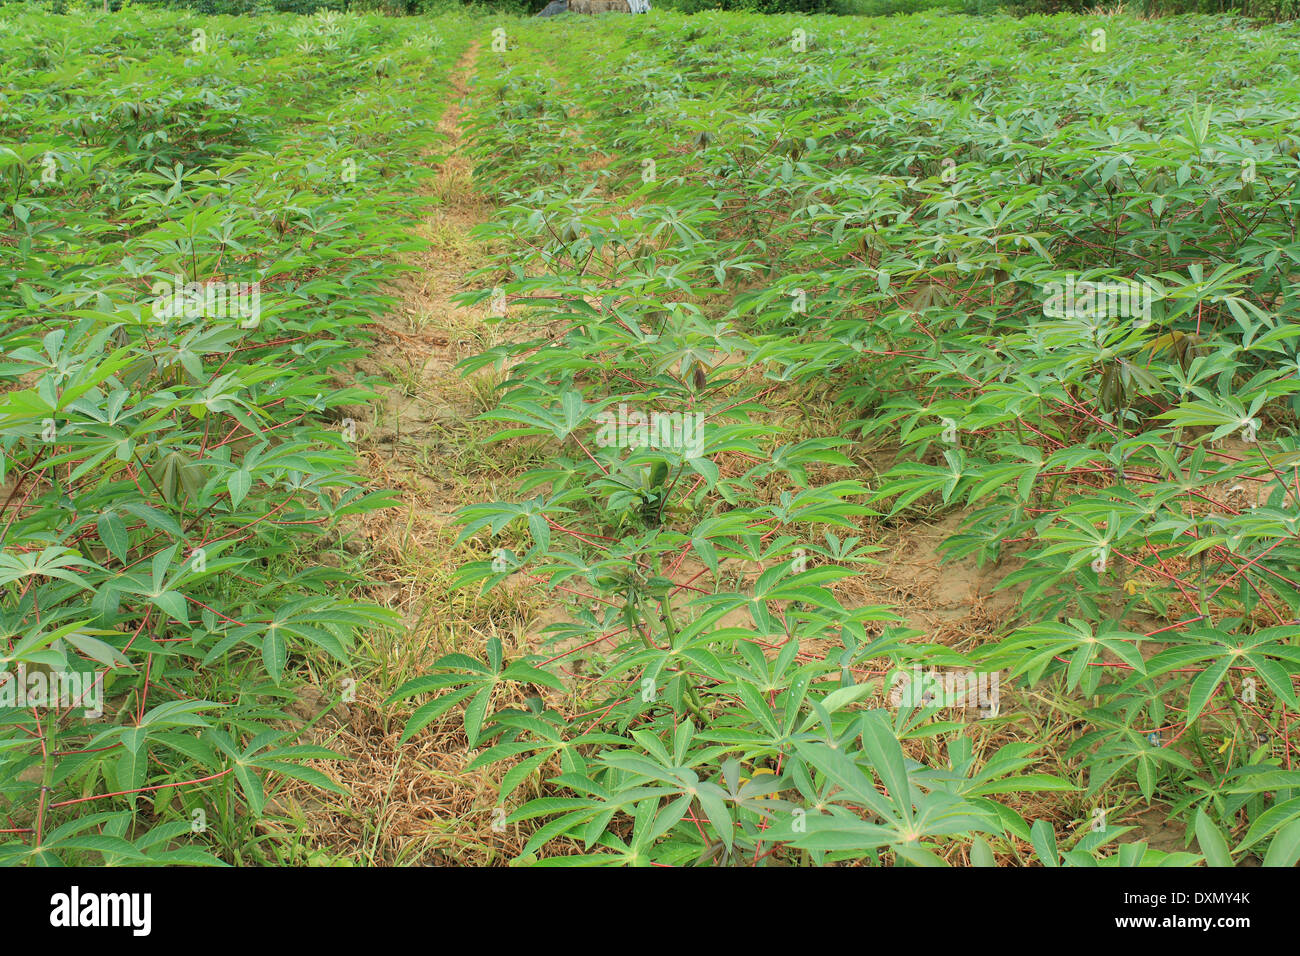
(1259,9)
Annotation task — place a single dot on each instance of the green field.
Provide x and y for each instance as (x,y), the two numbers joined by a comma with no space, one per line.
(694,440)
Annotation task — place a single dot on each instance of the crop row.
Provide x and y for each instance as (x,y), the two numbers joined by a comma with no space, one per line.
(197,222)
(1053,263)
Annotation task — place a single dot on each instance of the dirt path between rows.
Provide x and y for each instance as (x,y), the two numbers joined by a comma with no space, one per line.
(415,803)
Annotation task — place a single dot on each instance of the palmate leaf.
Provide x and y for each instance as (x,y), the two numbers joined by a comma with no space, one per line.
(838,831)
(51,562)
(478,679)
(1218,651)
(29,647)
(1030,649)
(1127,749)
(428,712)
(846,774)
